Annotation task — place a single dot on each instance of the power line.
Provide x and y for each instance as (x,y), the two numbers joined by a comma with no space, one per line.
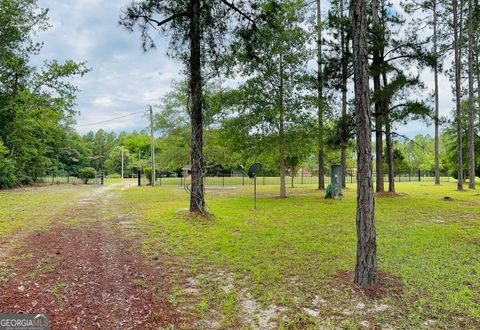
(109,120)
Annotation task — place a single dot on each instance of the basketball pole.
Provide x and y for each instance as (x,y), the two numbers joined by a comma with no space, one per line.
(255,192)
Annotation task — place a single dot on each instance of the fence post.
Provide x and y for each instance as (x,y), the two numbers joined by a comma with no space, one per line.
(419,176)
(139,174)
(223,180)
(263,179)
(302,175)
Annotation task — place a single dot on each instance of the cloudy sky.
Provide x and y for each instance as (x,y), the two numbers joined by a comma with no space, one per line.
(124,79)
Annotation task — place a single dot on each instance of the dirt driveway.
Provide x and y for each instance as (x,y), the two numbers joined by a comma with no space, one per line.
(87,272)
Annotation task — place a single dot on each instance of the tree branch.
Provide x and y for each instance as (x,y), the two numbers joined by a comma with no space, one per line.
(238,10)
(165,21)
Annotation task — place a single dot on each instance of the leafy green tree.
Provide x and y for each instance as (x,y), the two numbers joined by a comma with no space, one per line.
(138,144)
(87,173)
(271,101)
(101,144)
(337,73)
(74,154)
(418,153)
(114,162)
(201,25)
(7,170)
(36,105)
(452,147)
(172,121)
(433,13)
(391,54)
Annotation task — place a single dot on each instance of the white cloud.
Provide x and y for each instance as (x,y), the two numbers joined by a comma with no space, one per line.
(104,102)
(123,78)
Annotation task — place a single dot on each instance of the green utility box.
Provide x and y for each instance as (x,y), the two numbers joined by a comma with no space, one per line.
(336,173)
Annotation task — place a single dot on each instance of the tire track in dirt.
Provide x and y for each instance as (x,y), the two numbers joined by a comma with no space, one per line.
(86,274)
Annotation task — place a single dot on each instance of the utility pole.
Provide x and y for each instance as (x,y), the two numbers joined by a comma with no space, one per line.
(122,163)
(152,146)
(321,143)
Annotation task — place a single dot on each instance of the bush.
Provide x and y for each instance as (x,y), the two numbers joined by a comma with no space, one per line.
(148,174)
(87,173)
(26,180)
(7,170)
(114,176)
(7,175)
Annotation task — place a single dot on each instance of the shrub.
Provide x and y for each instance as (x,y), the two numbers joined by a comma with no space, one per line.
(7,174)
(114,176)
(148,174)
(7,170)
(87,173)
(26,180)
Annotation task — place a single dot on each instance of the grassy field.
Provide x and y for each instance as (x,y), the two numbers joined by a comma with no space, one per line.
(32,207)
(289,263)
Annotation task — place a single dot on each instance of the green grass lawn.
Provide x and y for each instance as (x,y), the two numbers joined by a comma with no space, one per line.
(291,259)
(31,207)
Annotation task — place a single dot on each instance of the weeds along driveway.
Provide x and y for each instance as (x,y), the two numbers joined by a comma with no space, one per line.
(85,269)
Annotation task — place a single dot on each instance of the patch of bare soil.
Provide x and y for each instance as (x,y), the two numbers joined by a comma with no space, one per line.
(387,285)
(389,194)
(88,275)
(469,203)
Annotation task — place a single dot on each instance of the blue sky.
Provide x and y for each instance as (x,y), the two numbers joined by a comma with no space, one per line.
(124,79)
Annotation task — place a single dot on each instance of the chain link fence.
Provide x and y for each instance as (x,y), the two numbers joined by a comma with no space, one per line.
(64,177)
(302,178)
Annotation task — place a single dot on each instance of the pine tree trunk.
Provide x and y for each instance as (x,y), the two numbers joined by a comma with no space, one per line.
(197,193)
(366,265)
(281,135)
(388,137)
(343,152)
(458,58)
(390,160)
(477,61)
(283,189)
(321,179)
(343,162)
(380,186)
(478,73)
(437,104)
(471,101)
(377,62)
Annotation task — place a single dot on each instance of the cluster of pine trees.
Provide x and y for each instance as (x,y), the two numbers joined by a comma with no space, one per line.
(268,80)
(268,44)
(292,66)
